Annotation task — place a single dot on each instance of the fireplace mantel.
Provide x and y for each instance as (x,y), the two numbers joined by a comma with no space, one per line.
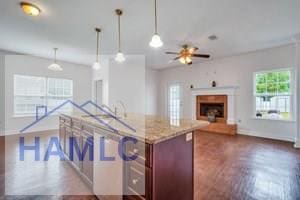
(230,91)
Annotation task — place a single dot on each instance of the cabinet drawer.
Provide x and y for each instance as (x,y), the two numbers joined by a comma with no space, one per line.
(65,120)
(87,128)
(133,197)
(137,181)
(143,151)
(76,124)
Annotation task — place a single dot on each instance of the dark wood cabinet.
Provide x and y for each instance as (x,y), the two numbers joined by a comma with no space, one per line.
(62,136)
(87,164)
(68,136)
(77,138)
(72,128)
(165,170)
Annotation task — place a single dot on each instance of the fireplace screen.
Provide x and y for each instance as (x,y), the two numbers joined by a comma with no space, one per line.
(217,108)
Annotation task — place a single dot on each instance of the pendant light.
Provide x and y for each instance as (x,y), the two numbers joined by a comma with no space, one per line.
(120,56)
(54,66)
(96,65)
(155,41)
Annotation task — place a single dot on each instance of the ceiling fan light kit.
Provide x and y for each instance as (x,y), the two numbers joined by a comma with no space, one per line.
(30,9)
(120,56)
(186,53)
(97,65)
(54,66)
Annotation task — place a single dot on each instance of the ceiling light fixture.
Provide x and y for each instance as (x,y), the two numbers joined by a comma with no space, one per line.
(96,65)
(186,60)
(54,66)
(30,9)
(120,56)
(155,41)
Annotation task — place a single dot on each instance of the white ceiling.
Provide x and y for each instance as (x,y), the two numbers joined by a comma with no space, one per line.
(241,26)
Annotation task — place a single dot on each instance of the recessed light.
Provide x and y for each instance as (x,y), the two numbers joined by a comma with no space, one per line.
(212,37)
(30,9)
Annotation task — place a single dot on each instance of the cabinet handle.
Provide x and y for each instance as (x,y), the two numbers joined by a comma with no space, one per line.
(135,181)
(135,150)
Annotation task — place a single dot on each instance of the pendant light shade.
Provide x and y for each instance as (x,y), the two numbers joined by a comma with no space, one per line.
(155,41)
(120,56)
(54,66)
(96,65)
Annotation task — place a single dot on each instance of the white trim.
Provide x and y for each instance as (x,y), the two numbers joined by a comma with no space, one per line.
(270,119)
(264,135)
(297,144)
(292,89)
(227,90)
(230,91)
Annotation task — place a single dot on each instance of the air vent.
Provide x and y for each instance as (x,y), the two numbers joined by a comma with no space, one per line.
(212,37)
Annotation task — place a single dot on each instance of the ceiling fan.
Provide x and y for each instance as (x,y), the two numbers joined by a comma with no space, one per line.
(186,53)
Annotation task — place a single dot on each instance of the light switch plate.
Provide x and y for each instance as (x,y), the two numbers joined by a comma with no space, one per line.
(189,137)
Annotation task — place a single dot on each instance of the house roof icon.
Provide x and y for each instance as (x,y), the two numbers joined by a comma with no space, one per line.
(81,108)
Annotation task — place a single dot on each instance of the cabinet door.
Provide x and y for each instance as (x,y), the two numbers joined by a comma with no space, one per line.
(78,139)
(62,136)
(68,135)
(87,164)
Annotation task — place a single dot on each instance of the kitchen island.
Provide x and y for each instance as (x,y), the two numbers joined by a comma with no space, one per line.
(163,150)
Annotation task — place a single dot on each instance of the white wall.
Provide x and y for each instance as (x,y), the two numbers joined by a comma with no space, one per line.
(101,74)
(127,83)
(30,65)
(152,82)
(2,92)
(234,71)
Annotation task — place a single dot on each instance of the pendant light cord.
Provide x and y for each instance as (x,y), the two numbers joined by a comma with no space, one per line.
(119,27)
(155,13)
(97,48)
(55,49)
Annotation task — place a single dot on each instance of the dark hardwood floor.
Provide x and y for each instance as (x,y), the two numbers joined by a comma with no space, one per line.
(226,167)
(243,167)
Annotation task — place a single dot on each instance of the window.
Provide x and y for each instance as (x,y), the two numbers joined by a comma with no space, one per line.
(273,94)
(32,91)
(174,101)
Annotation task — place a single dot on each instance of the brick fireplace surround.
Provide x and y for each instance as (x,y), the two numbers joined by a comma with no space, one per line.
(220,98)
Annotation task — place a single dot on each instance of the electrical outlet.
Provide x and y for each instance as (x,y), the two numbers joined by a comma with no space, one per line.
(189,137)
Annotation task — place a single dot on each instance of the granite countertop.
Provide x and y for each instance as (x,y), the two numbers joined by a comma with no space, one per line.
(148,128)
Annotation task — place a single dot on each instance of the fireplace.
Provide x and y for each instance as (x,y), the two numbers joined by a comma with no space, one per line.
(220,99)
(212,103)
(218,108)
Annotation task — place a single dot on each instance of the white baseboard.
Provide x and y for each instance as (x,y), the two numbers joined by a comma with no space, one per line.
(264,135)
(297,144)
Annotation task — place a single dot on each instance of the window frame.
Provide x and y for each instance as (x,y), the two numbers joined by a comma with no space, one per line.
(292,93)
(46,78)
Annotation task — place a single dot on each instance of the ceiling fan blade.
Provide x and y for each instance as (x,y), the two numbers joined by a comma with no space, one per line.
(168,52)
(193,49)
(200,55)
(174,59)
